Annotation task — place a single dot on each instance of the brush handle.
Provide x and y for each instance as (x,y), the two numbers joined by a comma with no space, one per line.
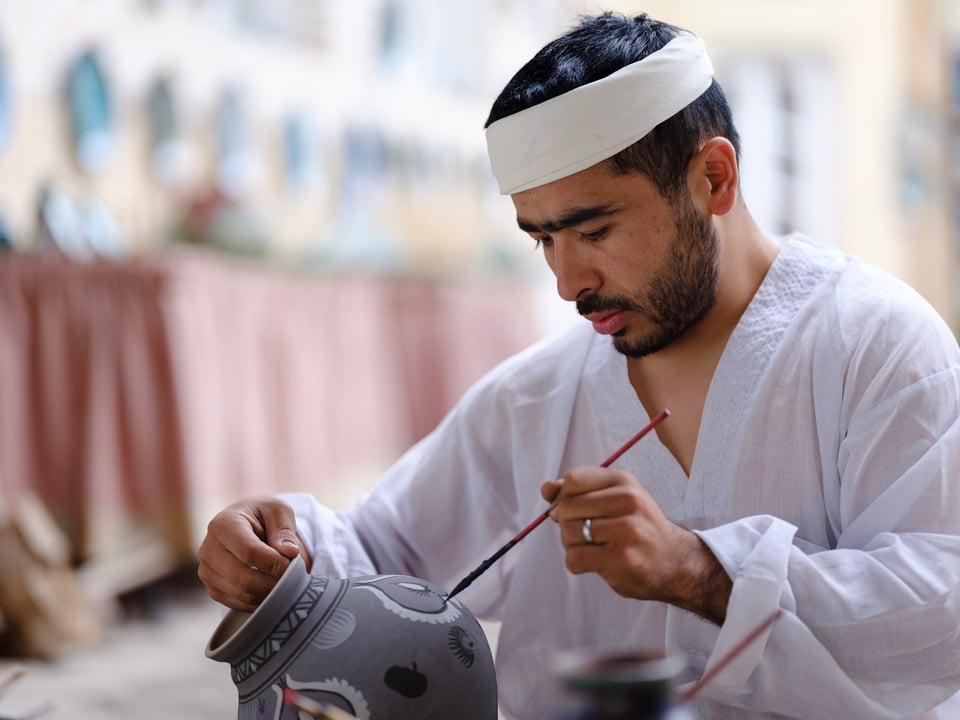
(463,584)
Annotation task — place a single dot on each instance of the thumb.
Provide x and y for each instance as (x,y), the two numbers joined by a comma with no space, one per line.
(285,542)
(280,529)
(550,490)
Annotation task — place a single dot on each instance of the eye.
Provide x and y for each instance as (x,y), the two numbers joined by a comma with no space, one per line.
(593,236)
(422,590)
(543,242)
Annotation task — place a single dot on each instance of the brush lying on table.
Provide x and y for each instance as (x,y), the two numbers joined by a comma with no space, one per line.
(526,531)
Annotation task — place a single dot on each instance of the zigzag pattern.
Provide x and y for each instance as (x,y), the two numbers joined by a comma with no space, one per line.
(282,631)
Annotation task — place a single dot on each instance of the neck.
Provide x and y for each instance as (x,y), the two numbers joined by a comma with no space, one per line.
(679,376)
(746,254)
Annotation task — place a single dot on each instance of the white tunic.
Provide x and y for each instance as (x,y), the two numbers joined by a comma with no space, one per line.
(825,481)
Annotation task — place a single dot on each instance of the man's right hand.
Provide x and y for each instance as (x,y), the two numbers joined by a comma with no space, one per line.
(247,548)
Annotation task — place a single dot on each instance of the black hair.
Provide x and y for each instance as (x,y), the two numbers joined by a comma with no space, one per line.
(599,46)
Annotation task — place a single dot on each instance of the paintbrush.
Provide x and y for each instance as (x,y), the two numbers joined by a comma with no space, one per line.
(526,531)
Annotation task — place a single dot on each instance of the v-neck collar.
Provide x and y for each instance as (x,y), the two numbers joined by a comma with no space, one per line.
(744,360)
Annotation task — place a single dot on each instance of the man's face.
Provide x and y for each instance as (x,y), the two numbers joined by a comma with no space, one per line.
(640,268)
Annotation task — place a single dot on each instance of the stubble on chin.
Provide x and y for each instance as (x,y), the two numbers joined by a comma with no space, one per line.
(682,294)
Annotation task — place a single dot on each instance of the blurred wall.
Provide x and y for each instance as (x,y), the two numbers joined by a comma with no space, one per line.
(846,109)
(863,157)
(393,95)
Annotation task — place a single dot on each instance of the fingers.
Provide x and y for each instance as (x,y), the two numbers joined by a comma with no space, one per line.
(583,480)
(615,503)
(572,534)
(550,489)
(247,549)
(229,581)
(637,550)
(595,493)
(279,526)
(613,500)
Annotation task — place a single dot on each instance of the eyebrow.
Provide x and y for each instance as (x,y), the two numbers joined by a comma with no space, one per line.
(569,219)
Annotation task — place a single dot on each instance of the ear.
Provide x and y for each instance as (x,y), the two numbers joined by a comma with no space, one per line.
(714,176)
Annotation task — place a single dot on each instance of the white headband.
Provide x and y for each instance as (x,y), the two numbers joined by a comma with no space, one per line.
(573,131)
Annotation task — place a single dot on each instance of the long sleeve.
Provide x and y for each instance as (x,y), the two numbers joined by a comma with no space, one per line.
(334,547)
(872,605)
(467,487)
(874,632)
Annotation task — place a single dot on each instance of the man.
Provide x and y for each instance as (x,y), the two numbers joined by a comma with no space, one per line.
(808,463)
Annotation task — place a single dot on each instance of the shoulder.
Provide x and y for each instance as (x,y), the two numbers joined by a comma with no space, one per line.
(874,322)
(873,304)
(540,370)
(863,298)
(518,414)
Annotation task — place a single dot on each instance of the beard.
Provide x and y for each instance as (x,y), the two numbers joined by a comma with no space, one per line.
(681,293)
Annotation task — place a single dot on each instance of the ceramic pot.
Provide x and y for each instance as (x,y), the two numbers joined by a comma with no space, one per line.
(385,647)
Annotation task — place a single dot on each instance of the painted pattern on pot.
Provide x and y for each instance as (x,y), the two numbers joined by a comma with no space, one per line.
(385,647)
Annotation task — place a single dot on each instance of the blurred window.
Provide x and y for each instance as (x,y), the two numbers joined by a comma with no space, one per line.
(784,110)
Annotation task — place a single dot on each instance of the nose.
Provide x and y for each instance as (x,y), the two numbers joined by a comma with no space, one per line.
(575,275)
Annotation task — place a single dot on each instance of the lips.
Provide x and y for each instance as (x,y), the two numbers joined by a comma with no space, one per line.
(607,323)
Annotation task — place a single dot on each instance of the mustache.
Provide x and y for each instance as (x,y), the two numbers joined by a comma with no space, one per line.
(598,304)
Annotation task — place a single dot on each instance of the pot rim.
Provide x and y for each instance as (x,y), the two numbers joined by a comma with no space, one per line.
(228,641)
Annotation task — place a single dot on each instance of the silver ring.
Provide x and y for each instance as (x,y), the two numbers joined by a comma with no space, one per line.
(587,533)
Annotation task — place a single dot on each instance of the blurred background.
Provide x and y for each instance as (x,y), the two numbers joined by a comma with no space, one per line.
(254,246)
